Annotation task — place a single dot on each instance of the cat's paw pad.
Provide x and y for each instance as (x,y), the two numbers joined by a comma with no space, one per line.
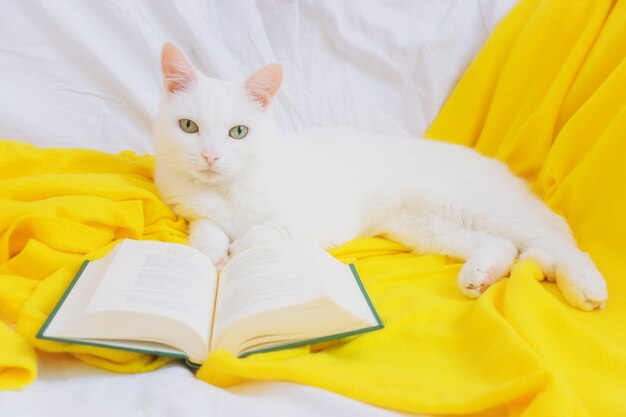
(217,253)
(486,266)
(213,245)
(583,287)
(475,279)
(219,265)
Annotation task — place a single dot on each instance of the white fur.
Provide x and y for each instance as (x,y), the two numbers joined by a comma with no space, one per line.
(332,185)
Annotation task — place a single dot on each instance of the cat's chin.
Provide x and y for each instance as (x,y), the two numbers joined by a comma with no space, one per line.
(212,175)
(207,175)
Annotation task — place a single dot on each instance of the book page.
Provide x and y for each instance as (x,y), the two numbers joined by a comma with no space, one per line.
(262,279)
(77,299)
(342,287)
(162,279)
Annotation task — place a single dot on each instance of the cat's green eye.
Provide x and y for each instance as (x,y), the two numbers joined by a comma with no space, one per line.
(238,132)
(188,126)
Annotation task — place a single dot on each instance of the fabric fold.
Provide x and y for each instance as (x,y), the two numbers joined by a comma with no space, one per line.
(60,207)
(18,366)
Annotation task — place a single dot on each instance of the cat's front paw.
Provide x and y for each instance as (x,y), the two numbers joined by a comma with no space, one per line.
(582,285)
(210,241)
(256,236)
(217,252)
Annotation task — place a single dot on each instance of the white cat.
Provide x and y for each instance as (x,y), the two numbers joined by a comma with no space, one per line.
(221,163)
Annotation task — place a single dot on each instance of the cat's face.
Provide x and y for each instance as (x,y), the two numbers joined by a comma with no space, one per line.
(211,129)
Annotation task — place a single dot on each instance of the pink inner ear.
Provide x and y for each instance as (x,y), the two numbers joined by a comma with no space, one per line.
(263,85)
(178,73)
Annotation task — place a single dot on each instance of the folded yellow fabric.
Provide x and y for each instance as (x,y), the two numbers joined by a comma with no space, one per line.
(547,95)
(17,360)
(59,207)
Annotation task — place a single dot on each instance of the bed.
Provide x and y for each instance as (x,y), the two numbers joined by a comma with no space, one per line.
(87,75)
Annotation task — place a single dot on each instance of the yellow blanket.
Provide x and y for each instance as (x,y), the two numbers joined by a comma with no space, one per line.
(59,207)
(546,95)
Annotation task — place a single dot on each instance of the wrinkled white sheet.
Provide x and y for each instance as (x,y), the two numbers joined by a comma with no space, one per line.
(86,74)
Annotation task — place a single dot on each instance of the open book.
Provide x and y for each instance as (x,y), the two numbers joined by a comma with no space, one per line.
(166,298)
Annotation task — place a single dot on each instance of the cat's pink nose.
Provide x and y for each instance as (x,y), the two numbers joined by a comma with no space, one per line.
(210,160)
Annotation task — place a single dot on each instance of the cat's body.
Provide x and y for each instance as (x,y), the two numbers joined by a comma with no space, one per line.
(334,184)
(360,183)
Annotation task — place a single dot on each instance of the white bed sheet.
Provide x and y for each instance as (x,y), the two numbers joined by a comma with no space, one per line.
(69,388)
(86,74)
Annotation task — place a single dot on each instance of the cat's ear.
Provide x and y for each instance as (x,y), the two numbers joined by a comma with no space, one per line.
(178,73)
(263,85)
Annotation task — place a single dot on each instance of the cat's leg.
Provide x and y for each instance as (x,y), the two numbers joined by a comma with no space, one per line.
(543,258)
(210,239)
(327,226)
(576,276)
(488,257)
(546,238)
(579,280)
(487,264)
